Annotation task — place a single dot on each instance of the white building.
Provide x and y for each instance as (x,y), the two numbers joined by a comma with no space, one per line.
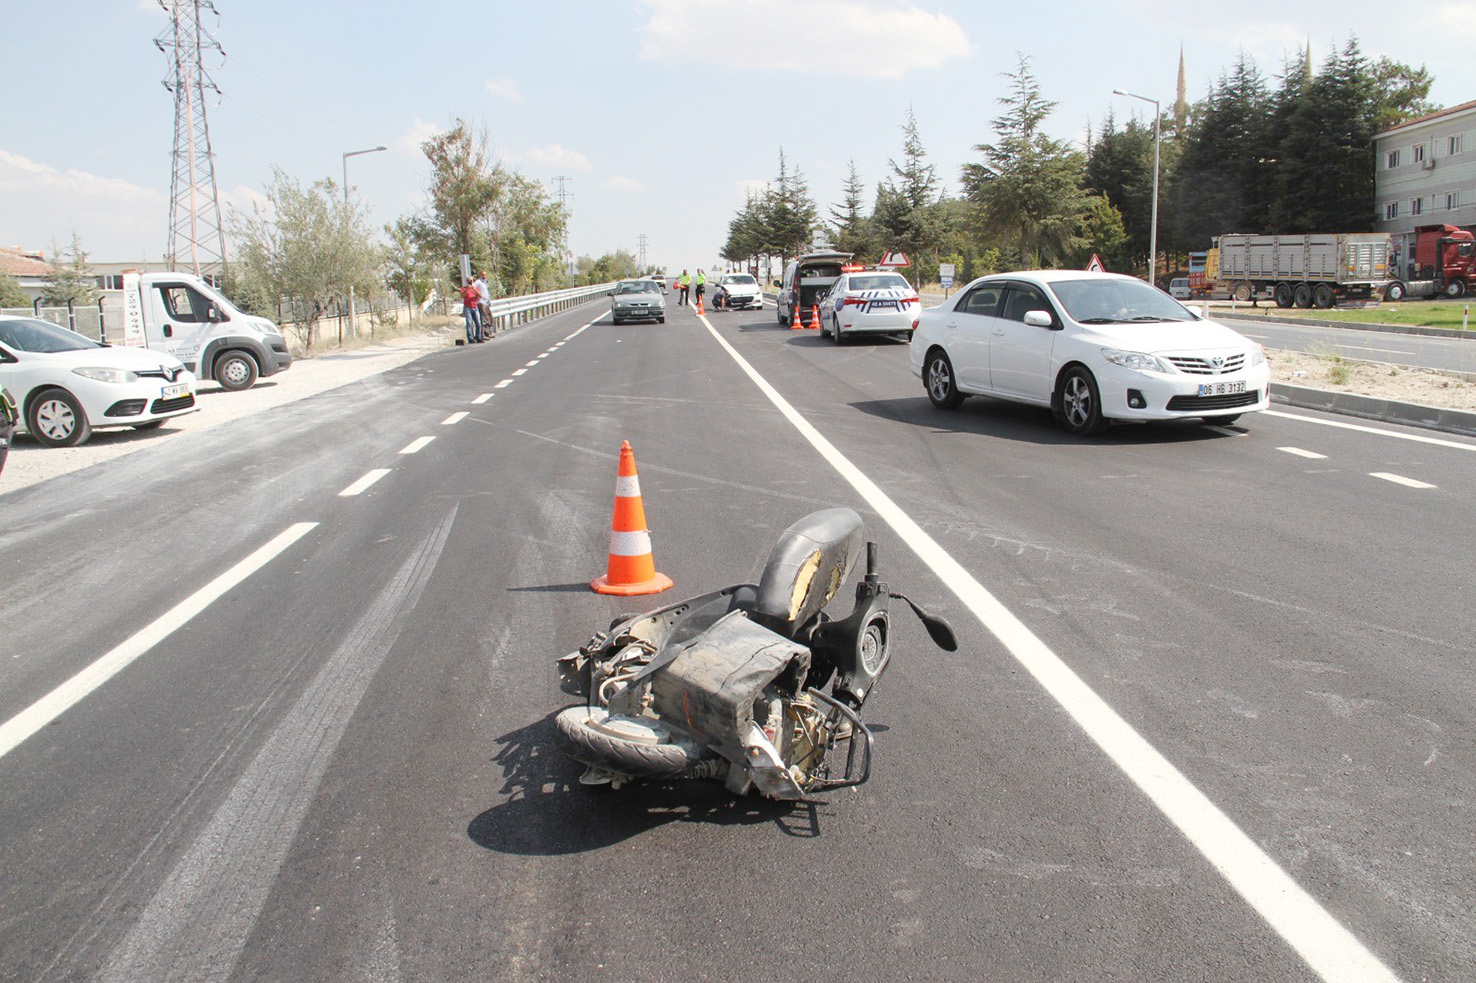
(1425,174)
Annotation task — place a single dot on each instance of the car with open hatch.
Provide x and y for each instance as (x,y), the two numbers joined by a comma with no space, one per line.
(637,300)
(805,280)
(67,385)
(1095,348)
(874,302)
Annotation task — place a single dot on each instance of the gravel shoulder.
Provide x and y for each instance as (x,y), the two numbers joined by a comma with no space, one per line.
(1378,379)
(30,463)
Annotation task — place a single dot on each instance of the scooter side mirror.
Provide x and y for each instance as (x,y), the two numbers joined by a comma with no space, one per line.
(938,630)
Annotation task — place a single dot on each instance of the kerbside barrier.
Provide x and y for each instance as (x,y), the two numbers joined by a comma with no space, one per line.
(509,312)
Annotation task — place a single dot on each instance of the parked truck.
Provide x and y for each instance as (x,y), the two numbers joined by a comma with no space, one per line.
(186,317)
(1444,265)
(1305,270)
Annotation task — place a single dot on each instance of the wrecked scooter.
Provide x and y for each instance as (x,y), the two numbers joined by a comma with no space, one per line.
(729,685)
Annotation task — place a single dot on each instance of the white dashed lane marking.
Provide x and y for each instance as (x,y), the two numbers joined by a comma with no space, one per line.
(363,483)
(529,365)
(455,418)
(1312,455)
(1399,479)
(415,445)
(503,384)
(481,399)
(518,372)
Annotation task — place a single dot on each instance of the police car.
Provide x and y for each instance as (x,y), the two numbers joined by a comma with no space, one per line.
(869,302)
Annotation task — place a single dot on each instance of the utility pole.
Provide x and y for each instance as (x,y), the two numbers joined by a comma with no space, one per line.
(196,236)
(563,194)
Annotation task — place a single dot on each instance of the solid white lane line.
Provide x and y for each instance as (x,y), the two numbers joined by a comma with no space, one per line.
(363,482)
(1374,430)
(529,365)
(1399,479)
(68,694)
(1323,943)
(481,399)
(518,372)
(1365,348)
(1313,455)
(1228,432)
(455,418)
(503,384)
(416,445)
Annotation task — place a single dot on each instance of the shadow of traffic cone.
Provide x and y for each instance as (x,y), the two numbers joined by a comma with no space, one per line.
(631,568)
(815,318)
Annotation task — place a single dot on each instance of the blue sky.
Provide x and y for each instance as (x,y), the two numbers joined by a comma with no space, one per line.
(661,111)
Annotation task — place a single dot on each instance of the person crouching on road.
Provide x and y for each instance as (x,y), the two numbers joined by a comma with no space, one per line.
(683,286)
(471,309)
(720,298)
(484,306)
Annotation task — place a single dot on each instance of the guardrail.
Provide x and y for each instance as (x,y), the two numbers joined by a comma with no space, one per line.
(508,312)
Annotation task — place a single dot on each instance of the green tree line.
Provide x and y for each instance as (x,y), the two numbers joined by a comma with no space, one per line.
(1290,155)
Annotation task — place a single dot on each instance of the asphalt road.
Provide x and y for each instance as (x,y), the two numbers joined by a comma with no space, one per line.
(1210,716)
(1426,351)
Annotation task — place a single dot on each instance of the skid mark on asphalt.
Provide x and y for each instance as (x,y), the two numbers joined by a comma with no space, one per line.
(196,924)
(1322,942)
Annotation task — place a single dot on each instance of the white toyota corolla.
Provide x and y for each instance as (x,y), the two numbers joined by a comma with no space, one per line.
(869,302)
(67,385)
(1095,348)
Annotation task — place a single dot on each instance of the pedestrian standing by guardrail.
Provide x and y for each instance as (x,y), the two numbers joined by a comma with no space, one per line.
(471,309)
(484,305)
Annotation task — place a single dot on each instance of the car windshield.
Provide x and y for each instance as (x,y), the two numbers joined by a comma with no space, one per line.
(640,287)
(1114,301)
(880,281)
(740,279)
(30,335)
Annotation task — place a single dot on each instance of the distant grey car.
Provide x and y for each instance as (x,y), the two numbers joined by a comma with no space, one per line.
(637,300)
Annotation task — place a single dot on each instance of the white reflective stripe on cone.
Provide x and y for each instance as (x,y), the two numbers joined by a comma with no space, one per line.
(627,486)
(630,543)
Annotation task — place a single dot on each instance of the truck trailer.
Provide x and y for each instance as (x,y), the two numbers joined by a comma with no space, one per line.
(1305,270)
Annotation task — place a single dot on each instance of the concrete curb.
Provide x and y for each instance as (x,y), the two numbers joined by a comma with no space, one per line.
(1372,408)
(1308,322)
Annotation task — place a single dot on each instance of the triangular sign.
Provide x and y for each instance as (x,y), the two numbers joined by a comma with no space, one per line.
(894,259)
(1095,266)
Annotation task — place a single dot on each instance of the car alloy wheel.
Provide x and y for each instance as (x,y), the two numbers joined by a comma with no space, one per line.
(938,378)
(1081,408)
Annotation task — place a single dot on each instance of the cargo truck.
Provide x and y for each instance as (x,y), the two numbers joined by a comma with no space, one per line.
(1444,265)
(186,317)
(1305,270)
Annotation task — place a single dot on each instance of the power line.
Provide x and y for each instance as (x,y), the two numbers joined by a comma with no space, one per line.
(194,204)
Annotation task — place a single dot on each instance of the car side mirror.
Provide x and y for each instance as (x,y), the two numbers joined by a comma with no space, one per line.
(1038,319)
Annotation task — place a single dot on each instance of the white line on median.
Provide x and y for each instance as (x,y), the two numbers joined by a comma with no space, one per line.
(68,694)
(1301,453)
(416,445)
(1327,947)
(481,399)
(455,418)
(1399,479)
(363,482)
(1374,430)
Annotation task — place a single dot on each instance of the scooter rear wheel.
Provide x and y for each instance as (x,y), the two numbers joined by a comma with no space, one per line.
(641,746)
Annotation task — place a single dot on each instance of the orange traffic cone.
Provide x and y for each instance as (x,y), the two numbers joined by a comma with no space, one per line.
(631,568)
(700,311)
(796,323)
(815,318)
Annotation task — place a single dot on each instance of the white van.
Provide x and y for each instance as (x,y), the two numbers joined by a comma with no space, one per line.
(1179,288)
(805,281)
(186,317)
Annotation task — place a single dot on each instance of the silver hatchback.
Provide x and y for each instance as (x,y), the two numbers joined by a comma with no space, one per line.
(637,300)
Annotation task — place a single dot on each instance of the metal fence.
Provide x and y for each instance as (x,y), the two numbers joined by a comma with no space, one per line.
(97,321)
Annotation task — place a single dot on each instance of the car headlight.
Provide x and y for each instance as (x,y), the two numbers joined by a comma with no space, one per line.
(101,374)
(1258,355)
(1138,361)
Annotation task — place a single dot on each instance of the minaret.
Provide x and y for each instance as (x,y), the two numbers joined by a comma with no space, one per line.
(1181,103)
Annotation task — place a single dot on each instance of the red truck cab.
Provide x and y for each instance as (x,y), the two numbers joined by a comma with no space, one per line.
(1448,254)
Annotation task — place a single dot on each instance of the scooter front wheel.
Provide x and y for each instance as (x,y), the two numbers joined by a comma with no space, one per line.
(638,746)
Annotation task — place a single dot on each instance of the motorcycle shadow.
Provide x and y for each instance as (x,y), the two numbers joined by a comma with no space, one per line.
(547,812)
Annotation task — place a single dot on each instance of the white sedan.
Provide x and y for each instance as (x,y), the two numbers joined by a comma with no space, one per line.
(743,291)
(869,302)
(67,385)
(1093,347)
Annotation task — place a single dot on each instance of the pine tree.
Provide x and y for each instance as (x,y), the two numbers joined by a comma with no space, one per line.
(1327,156)
(853,228)
(72,280)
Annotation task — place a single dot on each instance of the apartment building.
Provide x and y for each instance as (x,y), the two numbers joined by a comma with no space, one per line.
(1425,174)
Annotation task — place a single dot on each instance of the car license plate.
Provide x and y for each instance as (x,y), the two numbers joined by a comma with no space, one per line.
(1221,388)
(174,392)
(884,305)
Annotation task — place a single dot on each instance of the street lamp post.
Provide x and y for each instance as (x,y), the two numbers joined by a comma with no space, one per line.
(353,314)
(1153,229)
